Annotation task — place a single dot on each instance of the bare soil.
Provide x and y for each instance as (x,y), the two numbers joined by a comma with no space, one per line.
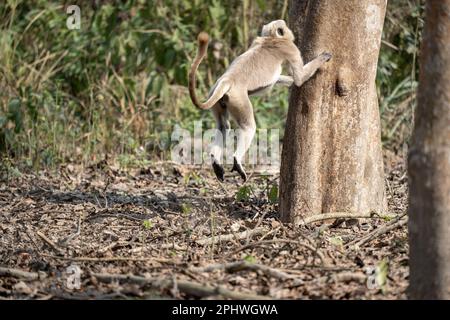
(167,223)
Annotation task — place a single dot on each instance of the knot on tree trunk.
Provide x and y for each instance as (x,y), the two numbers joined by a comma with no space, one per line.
(343,81)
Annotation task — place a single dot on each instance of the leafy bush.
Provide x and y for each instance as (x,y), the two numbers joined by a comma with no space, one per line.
(120,81)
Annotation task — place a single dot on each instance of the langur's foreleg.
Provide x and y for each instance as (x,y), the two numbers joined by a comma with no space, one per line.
(305,72)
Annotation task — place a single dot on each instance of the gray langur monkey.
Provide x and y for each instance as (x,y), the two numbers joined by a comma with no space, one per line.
(253,72)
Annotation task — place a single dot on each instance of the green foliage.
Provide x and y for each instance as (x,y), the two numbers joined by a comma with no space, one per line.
(186,208)
(8,170)
(398,69)
(382,272)
(119,82)
(193,177)
(336,241)
(272,194)
(147,224)
(250,259)
(243,194)
(115,84)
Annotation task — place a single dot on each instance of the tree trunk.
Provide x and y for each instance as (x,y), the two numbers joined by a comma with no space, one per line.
(331,159)
(429,162)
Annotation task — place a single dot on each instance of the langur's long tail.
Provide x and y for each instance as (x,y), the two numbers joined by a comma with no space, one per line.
(221,88)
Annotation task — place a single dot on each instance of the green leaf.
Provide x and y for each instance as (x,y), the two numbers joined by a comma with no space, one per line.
(261,4)
(337,241)
(147,224)
(14,113)
(250,259)
(186,208)
(382,273)
(3,121)
(272,194)
(243,194)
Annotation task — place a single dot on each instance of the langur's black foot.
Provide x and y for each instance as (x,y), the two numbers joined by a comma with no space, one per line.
(238,167)
(218,170)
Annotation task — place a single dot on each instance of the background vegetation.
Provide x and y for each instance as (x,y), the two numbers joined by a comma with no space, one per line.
(117,86)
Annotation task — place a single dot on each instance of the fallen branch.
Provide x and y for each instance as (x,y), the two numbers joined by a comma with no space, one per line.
(117,215)
(106,259)
(342,215)
(350,276)
(315,251)
(187,287)
(244,265)
(17,273)
(50,243)
(345,277)
(378,232)
(172,246)
(74,235)
(61,294)
(229,237)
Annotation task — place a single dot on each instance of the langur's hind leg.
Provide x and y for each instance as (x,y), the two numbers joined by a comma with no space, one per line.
(222,124)
(241,110)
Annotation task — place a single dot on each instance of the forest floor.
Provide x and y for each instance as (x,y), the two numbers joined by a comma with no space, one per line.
(167,231)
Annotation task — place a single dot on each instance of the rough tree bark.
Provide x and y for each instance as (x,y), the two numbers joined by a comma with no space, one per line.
(429,162)
(331,159)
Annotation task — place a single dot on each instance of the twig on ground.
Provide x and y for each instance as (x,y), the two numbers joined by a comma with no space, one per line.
(60,294)
(73,235)
(174,288)
(316,251)
(342,215)
(258,223)
(350,276)
(106,259)
(345,277)
(17,273)
(187,287)
(172,246)
(273,231)
(50,243)
(377,232)
(244,265)
(229,237)
(117,215)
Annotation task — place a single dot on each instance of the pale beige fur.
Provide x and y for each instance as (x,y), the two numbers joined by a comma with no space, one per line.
(253,72)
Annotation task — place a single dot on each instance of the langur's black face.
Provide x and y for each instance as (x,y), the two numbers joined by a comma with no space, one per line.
(277,29)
